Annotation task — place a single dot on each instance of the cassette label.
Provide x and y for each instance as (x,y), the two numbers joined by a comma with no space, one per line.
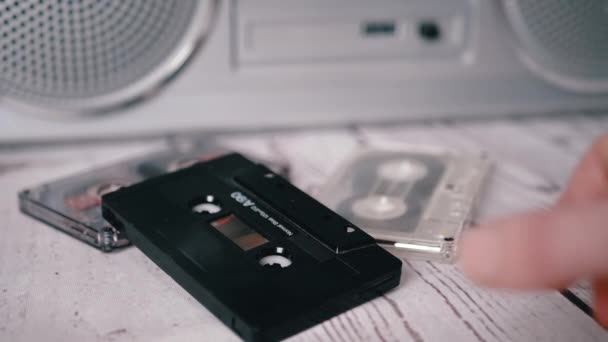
(247,203)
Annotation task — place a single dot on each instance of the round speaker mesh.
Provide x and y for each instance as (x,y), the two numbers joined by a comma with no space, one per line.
(67,52)
(568,39)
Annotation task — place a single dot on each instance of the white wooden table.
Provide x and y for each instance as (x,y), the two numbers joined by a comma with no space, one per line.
(54,288)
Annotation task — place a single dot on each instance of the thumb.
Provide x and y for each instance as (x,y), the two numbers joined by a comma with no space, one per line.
(544,249)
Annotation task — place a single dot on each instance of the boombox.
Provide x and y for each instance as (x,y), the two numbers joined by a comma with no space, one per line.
(73,69)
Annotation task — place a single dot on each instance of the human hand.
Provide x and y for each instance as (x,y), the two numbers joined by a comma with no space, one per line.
(550,248)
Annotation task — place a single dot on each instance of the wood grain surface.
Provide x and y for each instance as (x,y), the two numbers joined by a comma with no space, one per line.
(54,288)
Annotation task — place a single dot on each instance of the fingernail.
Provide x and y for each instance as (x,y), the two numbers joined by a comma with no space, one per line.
(480,256)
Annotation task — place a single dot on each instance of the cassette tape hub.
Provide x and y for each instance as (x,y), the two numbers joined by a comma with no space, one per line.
(269,263)
(415,200)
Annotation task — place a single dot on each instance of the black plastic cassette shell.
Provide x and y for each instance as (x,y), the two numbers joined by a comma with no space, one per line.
(333,270)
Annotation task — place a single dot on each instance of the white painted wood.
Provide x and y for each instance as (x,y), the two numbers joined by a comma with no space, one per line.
(54,288)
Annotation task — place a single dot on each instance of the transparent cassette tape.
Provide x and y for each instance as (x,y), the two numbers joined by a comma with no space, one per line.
(73,204)
(414,200)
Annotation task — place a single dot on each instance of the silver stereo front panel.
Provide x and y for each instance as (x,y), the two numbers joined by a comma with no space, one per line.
(274,63)
(68,57)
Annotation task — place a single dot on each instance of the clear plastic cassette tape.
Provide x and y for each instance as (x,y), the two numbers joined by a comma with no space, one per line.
(414,200)
(73,204)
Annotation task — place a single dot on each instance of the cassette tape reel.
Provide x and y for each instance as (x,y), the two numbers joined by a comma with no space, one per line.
(413,200)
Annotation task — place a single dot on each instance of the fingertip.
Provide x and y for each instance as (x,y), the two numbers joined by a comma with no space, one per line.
(600,301)
(480,254)
(505,253)
(603,321)
(534,250)
(589,180)
(602,318)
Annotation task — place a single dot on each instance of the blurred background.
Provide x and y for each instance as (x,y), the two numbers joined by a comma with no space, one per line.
(97,69)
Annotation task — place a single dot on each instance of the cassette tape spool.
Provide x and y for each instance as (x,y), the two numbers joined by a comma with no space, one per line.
(73,204)
(264,257)
(414,200)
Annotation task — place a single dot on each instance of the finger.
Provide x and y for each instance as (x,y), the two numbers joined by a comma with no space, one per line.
(600,301)
(539,249)
(590,178)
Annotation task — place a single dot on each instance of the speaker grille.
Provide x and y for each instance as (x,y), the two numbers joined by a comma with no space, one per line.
(566,38)
(62,52)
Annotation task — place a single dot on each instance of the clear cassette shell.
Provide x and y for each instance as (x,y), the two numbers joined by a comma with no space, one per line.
(414,200)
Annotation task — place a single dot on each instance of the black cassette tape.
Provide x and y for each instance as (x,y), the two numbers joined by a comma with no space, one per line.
(267,259)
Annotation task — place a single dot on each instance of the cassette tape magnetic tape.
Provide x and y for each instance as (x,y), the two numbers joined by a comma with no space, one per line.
(264,257)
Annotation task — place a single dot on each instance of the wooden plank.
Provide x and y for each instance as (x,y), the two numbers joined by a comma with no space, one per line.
(436,303)
(56,288)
